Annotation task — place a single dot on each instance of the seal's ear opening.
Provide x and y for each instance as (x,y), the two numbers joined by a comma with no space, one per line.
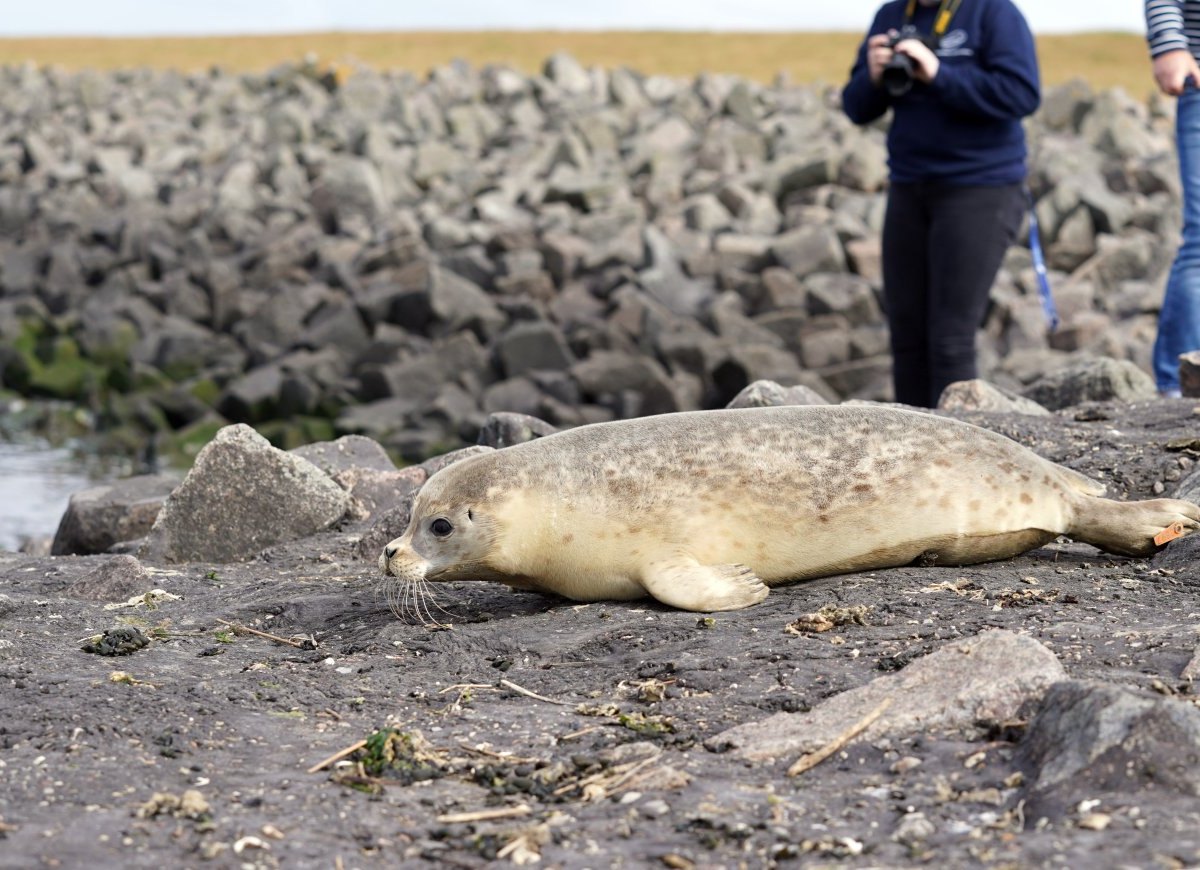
(470,515)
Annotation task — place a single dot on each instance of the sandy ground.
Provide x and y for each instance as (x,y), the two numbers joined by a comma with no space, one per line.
(606,767)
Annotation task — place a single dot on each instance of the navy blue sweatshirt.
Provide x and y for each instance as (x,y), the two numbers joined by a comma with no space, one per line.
(965,127)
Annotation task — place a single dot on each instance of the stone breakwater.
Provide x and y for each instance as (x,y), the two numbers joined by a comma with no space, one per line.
(400,257)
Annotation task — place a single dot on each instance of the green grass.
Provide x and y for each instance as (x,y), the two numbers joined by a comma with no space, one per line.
(1103,59)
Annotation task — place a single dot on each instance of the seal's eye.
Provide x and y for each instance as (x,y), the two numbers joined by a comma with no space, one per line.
(441,527)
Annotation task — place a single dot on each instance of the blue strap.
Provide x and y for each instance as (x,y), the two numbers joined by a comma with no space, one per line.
(1039,267)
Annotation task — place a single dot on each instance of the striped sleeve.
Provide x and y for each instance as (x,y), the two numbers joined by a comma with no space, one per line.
(1165,25)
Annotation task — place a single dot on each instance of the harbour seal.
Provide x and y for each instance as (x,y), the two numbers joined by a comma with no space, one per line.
(706,510)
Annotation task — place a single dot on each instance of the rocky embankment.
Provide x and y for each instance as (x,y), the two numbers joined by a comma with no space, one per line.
(399,256)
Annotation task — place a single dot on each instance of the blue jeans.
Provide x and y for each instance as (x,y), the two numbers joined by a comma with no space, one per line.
(1179,320)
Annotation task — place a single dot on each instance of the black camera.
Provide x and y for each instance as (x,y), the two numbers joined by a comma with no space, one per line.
(898,72)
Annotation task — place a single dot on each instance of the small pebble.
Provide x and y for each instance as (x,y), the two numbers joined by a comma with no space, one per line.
(654,809)
(913,828)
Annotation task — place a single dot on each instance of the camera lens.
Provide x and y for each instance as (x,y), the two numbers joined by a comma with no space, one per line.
(898,75)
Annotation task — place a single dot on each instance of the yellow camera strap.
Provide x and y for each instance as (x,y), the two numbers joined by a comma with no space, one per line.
(945,13)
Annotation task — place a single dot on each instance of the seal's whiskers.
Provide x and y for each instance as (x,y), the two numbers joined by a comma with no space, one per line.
(414,601)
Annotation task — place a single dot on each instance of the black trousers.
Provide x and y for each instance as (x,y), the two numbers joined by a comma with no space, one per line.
(942,247)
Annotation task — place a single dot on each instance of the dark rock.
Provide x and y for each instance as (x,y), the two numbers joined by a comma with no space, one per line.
(527,346)
(1189,374)
(611,374)
(1091,739)
(520,395)
(102,516)
(420,378)
(1092,380)
(503,429)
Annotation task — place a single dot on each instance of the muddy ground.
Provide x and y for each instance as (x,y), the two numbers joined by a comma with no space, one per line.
(609,763)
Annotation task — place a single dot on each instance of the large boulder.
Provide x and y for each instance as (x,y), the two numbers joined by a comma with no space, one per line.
(960,688)
(242,496)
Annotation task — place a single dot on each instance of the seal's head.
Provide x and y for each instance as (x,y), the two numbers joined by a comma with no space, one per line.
(449,535)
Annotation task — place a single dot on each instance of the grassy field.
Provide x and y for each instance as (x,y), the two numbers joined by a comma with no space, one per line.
(1104,59)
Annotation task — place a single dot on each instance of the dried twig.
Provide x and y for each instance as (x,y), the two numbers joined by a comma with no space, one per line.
(458,687)
(521,691)
(308,643)
(581,732)
(486,815)
(499,756)
(616,776)
(808,762)
(338,756)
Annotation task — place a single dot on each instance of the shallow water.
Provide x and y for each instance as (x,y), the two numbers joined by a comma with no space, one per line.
(36,480)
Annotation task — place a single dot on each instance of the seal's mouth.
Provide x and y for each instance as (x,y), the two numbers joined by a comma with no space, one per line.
(398,560)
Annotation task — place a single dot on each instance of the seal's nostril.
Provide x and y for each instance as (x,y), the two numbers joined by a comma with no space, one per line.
(389,551)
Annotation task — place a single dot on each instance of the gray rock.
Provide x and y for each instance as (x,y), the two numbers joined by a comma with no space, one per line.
(609,373)
(527,346)
(455,359)
(349,188)
(458,304)
(823,346)
(864,166)
(437,463)
(254,397)
(746,253)
(993,678)
(1189,374)
(845,294)
(566,72)
(765,394)
(1090,739)
(809,250)
(798,172)
(347,452)
(1092,380)
(979,395)
(516,395)
(102,516)
(114,579)
(1065,106)
(242,496)
(374,492)
(504,429)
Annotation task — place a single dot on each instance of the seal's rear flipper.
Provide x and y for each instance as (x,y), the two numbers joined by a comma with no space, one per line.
(684,583)
(1132,528)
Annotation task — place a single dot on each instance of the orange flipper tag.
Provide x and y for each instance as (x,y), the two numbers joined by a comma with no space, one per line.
(1170,533)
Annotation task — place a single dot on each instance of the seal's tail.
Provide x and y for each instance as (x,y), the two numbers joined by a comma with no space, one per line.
(1131,528)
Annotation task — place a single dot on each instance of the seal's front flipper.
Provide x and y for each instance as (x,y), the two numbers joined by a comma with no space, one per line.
(688,585)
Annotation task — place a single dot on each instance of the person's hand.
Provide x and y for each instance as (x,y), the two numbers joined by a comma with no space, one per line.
(1173,69)
(925,62)
(878,54)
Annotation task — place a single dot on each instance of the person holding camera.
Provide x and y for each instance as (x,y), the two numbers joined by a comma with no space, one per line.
(1171,28)
(958,75)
